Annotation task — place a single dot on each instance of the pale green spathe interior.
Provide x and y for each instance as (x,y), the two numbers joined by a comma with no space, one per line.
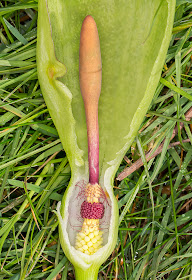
(132,38)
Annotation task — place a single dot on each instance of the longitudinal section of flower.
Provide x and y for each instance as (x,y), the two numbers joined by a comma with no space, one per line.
(90,238)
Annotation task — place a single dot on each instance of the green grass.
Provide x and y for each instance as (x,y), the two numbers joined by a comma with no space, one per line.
(155,201)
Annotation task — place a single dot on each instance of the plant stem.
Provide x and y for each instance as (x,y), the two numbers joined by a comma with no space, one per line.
(88,274)
(90,83)
(93,143)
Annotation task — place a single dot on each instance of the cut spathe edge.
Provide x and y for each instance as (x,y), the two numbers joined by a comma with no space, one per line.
(51,69)
(78,258)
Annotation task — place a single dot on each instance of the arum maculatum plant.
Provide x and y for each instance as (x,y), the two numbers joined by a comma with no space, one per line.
(99,63)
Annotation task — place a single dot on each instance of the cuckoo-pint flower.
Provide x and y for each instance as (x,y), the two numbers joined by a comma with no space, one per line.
(133,37)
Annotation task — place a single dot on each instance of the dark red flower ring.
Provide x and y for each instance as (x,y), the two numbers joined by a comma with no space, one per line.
(92,210)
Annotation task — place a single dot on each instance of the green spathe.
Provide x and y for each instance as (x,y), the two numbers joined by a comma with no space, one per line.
(134,37)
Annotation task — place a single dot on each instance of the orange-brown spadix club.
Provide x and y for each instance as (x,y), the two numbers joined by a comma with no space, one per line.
(90,75)
(90,61)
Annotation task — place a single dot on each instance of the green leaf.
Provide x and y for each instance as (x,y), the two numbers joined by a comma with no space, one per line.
(35,188)
(16,33)
(58,268)
(176,89)
(13,8)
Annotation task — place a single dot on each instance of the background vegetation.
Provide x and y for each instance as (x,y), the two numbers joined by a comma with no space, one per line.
(153,184)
